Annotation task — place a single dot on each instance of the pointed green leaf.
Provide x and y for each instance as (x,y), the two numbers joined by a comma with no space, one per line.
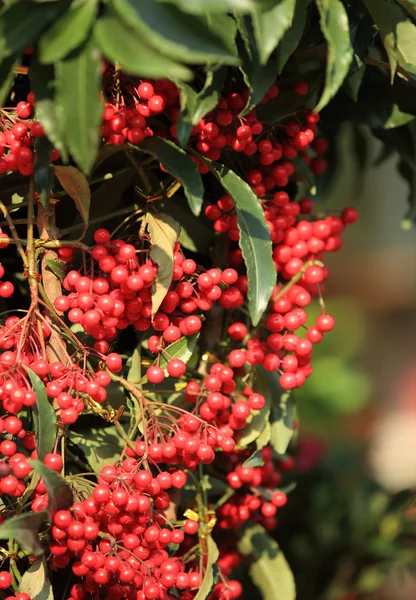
(195,105)
(23,22)
(255,460)
(35,581)
(256,425)
(182,349)
(305,173)
(335,28)
(270,23)
(178,35)
(60,494)
(179,164)
(121,44)
(280,430)
(79,99)
(48,111)
(68,31)
(6,78)
(24,529)
(211,570)
(43,416)
(397,118)
(58,268)
(254,241)
(268,568)
(291,38)
(43,171)
(101,447)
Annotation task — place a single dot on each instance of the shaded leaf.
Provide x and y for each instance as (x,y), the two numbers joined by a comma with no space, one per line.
(58,268)
(48,111)
(293,35)
(270,23)
(196,234)
(7,78)
(255,460)
(43,416)
(268,568)
(77,187)
(60,494)
(79,78)
(182,349)
(164,233)
(177,34)
(121,44)
(334,26)
(100,446)
(195,105)
(254,240)
(24,529)
(305,173)
(178,163)
(352,85)
(200,7)
(22,23)
(43,171)
(281,410)
(67,32)
(134,374)
(256,424)
(211,570)
(35,581)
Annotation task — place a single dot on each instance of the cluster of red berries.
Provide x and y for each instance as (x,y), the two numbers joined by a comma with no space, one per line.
(119,537)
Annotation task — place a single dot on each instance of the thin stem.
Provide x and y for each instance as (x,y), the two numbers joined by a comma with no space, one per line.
(14,233)
(124,435)
(116,213)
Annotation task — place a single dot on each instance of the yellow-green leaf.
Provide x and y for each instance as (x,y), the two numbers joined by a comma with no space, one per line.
(164,233)
(35,581)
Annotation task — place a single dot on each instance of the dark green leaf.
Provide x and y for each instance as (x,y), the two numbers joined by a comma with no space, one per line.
(44,177)
(268,567)
(35,581)
(121,44)
(79,99)
(270,23)
(101,447)
(196,234)
(195,105)
(255,460)
(409,6)
(6,77)
(254,240)
(179,164)
(281,410)
(305,173)
(201,7)
(24,529)
(256,425)
(22,23)
(60,494)
(211,570)
(334,26)
(352,85)
(363,34)
(77,187)
(48,112)
(182,349)
(58,268)
(176,34)
(293,35)
(67,32)
(225,27)
(43,416)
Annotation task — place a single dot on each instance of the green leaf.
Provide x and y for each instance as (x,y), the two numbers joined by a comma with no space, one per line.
(182,349)
(255,460)
(35,581)
(58,268)
(43,416)
(201,7)
(43,171)
(176,34)
(77,187)
(121,44)
(48,111)
(254,240)
(67,32)
(256,424)
(195,105)
(211,570)
(334,26)
(196,234)
(352,85)
(270,23)
(23,22)
(397,118)
(305,173)
(60,494)
(134,374)
(268,568)
(79,78)
(100,446)
(280,429)
(292,37)
(7,77)
(179,164)
(25,530)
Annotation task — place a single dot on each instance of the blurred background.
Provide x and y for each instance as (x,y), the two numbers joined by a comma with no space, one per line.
(349,529)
